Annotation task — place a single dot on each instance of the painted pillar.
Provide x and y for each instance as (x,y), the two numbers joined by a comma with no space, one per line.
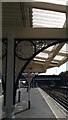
(28,91)
(19,92)
(10,78)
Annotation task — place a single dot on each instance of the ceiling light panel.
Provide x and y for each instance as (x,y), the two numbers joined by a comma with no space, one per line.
(46,18)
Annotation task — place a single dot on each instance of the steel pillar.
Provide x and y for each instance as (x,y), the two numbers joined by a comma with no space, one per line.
(9,108)
(19,92)
(28,91)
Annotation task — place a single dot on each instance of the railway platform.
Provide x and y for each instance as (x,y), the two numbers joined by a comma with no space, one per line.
(39,108)
(42,106)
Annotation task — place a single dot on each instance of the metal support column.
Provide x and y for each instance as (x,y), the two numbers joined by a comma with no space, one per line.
(29,91)
(8,108)
(19,92)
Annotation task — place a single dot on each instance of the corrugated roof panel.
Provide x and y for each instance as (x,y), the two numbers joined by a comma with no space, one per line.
(46,18)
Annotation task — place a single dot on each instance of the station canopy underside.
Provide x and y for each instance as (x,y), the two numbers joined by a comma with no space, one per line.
(38,19)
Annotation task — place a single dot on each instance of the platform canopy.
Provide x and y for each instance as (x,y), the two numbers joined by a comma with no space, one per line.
(44,19)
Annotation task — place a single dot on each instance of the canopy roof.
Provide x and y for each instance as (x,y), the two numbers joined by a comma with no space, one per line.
(27,20)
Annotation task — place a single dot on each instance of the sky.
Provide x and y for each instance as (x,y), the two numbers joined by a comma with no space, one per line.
(57,70)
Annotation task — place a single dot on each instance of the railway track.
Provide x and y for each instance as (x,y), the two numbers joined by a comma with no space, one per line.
(61,98)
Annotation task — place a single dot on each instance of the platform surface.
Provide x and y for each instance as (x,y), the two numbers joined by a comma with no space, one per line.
(42,106)
(39,107)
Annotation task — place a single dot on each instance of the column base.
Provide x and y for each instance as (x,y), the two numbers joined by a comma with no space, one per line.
(19,96)
(8,111)
(28,104)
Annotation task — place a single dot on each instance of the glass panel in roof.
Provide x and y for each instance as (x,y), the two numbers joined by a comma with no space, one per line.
(46,18)
(42,55)
(64,49)
(60,2)
(58,57)
(50,48)
(54,62)
(41,60)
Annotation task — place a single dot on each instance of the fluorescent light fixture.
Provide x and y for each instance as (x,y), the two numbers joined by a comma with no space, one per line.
(60,2)
(58,57)
(41,60)
(46,18)
(42,55)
